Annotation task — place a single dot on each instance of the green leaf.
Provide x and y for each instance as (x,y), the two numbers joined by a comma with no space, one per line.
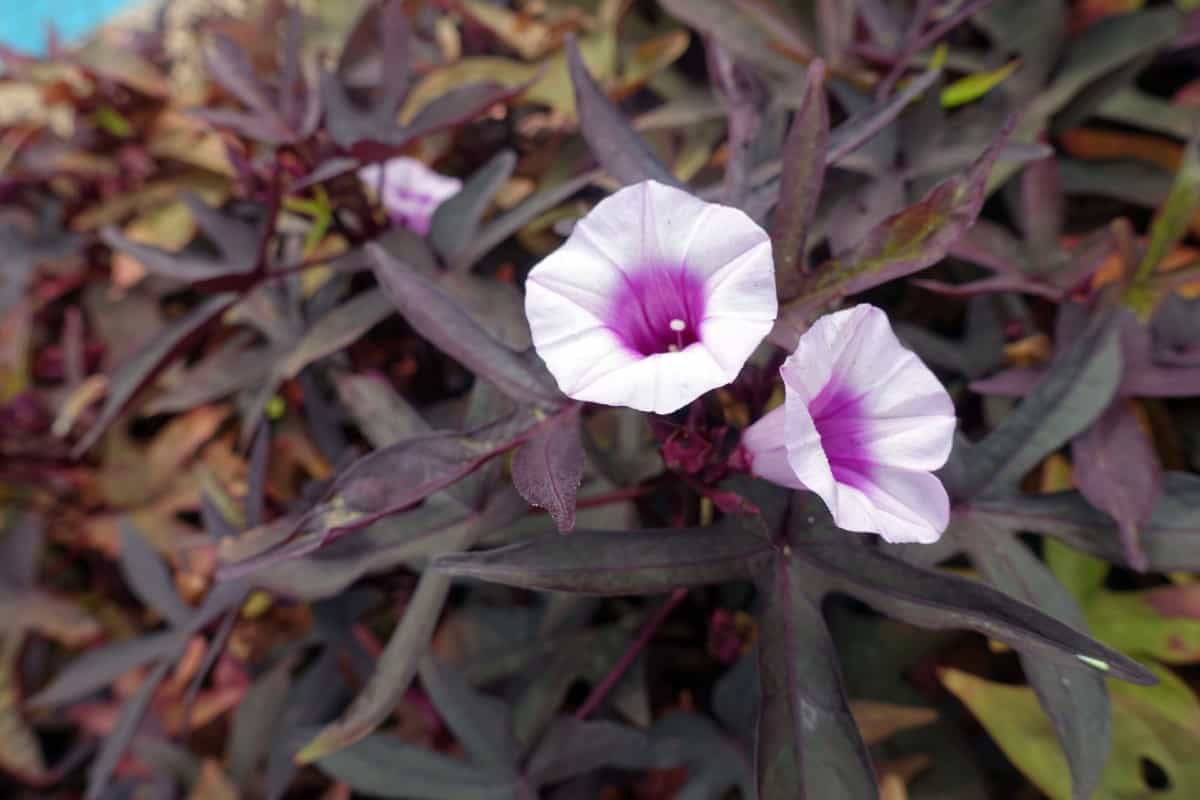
(1074,697)
(937,600)
(1141,732)
(1169,227)
(970,88)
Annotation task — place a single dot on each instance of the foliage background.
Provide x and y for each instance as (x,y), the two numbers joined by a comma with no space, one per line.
(249,431)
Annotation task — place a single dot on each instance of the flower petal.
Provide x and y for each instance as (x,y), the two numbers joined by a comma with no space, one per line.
(805,453)
(898,504)
(764,441)
(909,417)
(409,190)
(621,312)
(650,222)
(660,383)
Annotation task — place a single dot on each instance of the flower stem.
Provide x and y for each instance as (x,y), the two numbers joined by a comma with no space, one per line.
(623,664)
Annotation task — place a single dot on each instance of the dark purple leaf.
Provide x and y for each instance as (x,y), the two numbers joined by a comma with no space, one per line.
(394,42)
(379,484)
(97,669)
(148,577)
(118,740)
(744,98)
(336,330)
(382,415)
(409,641)
(1041,211)
(619,562)
(142,366)
(455,223)
(255,722)
(749,29)
(715,761)
(909,241)
(262,127)
(612,140)
(256,478)
(548,468)
(801,181)
(381,547)
(508,223)
(1117,470)
(459,105)
(1075,698)
(314,697)
(481,723)
(436,317)
(985,286)
(992,246)
(238,241)
(372,765)
(939,600)
(1103,47)
(836,23)
(21,545)
(180,266)
(576,747)
(393,674)
(862,126)
(1171,540)
(230,66)
(808,745)
(1077,388)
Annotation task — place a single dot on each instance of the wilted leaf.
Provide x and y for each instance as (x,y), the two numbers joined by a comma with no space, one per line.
(548,468)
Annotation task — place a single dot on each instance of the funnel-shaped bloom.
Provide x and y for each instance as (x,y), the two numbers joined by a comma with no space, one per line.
(654,299)
(863,425)
(409,190)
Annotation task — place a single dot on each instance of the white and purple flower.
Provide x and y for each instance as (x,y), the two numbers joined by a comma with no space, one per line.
(654,299)
(863,425)
(409,190)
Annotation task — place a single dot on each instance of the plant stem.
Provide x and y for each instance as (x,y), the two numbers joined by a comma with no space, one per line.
(644,636)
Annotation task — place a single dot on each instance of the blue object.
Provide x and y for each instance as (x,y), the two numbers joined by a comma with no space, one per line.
(23,23)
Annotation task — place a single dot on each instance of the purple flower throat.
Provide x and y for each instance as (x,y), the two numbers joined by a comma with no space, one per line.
(658,309)
(838,414)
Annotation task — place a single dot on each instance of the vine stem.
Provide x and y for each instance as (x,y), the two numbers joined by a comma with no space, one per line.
(623,664)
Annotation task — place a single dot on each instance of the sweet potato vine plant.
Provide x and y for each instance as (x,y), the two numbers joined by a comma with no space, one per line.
(308,491)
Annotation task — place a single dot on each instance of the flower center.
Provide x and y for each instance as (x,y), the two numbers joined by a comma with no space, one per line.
(658,309)
(841,420)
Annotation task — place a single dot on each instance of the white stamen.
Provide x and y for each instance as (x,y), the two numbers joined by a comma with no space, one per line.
(678,325)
